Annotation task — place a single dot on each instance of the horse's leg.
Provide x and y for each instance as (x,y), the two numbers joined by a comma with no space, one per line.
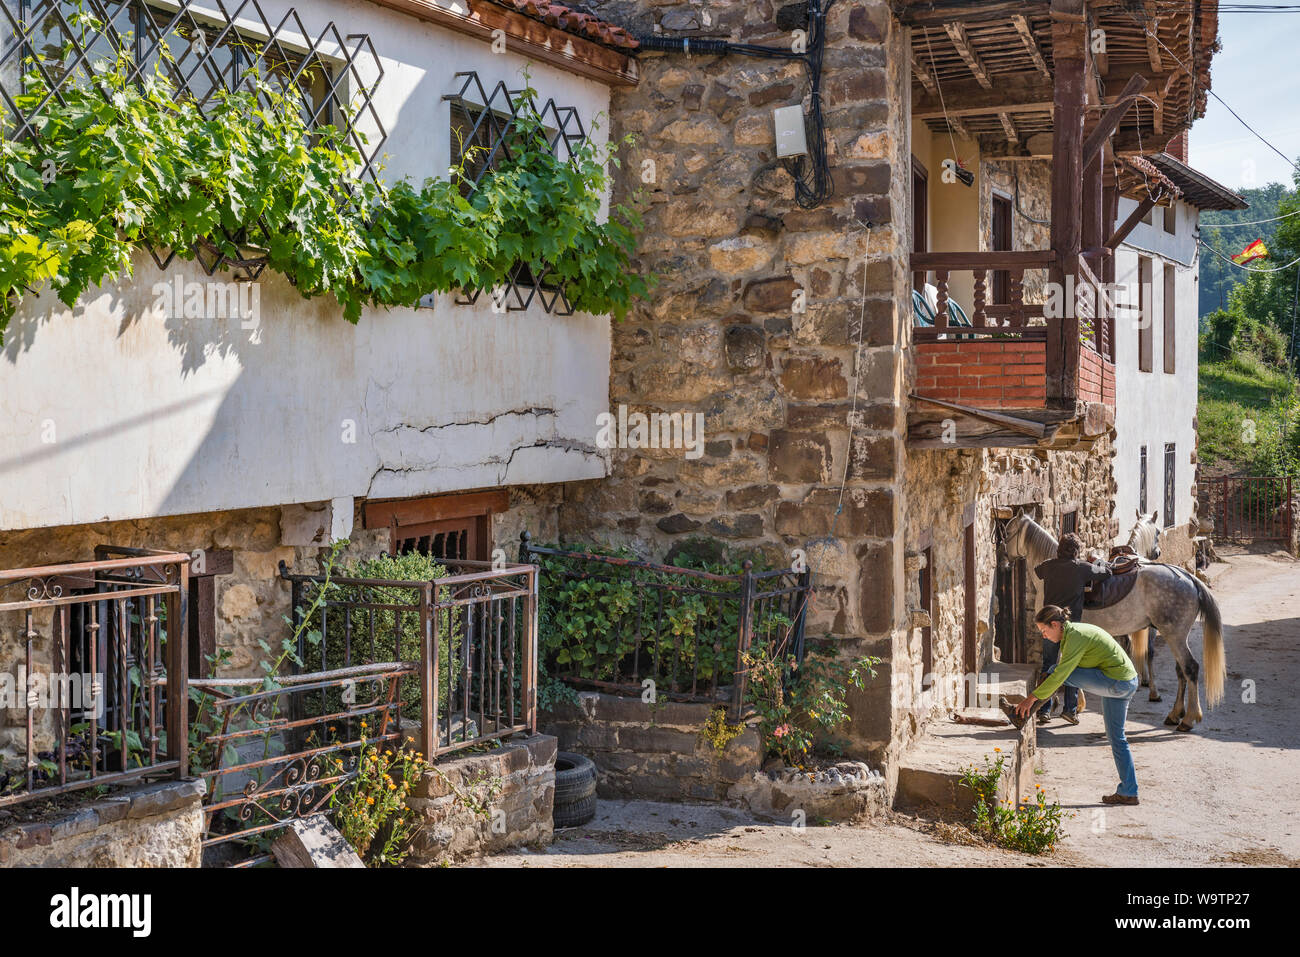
(1188,708)
(1175,715)
(1150,662)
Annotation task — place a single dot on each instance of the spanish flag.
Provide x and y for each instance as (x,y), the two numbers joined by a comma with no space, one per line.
(1255,250)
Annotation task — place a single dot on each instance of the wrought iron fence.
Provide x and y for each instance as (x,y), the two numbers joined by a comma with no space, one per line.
(1255,508)
(446,665)
(101,654)
(688,630)
(201,49)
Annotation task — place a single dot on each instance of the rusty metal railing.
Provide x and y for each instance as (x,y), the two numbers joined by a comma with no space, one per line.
(473,634)
(101,658)
(687,630)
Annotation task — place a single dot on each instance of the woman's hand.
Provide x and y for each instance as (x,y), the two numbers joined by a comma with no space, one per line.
(1025,707)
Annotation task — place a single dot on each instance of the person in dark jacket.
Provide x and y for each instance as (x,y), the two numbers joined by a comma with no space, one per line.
(1065,578)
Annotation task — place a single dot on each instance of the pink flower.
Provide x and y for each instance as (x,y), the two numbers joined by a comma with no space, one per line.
(781,731)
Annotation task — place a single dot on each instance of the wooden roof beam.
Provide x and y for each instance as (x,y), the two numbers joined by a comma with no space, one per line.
(924,76)
(1009,128)
(961,40)
(1109,121)
(1021,23)
(1152,29)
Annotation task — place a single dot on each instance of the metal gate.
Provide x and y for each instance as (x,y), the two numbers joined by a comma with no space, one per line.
(441,666)
(1255,508)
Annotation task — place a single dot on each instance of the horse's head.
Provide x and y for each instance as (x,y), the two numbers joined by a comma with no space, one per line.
(1145,536)
(1014,535)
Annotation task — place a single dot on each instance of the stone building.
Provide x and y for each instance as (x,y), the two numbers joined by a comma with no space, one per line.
(840,421)
(883,328)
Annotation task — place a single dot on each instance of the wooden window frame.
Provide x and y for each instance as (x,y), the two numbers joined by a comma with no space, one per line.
(1170,304)
(1171,478)
(1146,321)
(927,632)
(427,517)
(1142,480)
(1000,211)
(920,190)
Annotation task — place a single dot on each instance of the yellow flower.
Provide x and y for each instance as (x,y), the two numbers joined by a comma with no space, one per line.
(370,800)
(999,750)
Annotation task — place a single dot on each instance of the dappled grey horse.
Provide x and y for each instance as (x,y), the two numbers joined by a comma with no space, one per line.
(1163,597)
(1144,540)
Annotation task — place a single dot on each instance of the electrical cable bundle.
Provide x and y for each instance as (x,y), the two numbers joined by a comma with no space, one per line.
(811,172)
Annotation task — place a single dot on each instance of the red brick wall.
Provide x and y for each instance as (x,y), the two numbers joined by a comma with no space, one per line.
(1096,378)
(990,374)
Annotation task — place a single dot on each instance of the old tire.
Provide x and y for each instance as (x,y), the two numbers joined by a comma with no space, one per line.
(579,812)
(575,789)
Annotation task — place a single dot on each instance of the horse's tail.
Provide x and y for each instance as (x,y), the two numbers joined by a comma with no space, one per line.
(1138,643)
(1212,630)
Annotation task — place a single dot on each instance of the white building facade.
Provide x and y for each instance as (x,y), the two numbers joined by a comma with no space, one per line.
(1156,359)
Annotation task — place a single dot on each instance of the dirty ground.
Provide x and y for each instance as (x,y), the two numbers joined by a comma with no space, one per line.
(1221,796)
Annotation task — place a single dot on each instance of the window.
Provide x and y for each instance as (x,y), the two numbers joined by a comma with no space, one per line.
(1171,219)
(447,527)
(1144,314)
(1170,305)
(1070,521)
(1001,241)
(1142,481)
(920,216)
(927,605)
(1169,484)
(203,56)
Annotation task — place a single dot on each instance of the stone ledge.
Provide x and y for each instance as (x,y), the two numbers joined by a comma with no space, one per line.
(519,813)
(155,824)
(848,792)
(929,775)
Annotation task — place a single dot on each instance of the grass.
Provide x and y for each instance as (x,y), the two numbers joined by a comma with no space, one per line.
(1232,392)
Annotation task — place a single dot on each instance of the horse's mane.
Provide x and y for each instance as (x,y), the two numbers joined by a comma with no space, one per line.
(1038,540)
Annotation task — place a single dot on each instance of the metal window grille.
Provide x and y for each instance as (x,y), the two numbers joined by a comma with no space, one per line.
(485,132)
(1142,482)
(222,46)
(1170,463)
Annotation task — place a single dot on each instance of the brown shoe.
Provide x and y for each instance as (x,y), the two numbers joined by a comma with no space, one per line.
(1120,799)
(1010,711)
(1068,718)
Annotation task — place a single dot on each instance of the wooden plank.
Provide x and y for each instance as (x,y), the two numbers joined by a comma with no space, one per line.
(990,259)
(1008,127)
(417,511)
(1011,94)
(1151,31)
(923,75)
(529,37)
(1110,120)
(967,11)
(1036,429)
(966,50)
(1021,23)
(1135,217)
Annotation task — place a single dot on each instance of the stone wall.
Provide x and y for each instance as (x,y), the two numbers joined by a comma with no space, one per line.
(250,603)
(757,316)
(152,825)
(484,803)
(658,752)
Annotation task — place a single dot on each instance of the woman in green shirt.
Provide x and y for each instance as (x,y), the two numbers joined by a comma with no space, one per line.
(1092,661)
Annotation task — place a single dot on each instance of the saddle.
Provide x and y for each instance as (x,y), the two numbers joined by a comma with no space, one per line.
(1124,563)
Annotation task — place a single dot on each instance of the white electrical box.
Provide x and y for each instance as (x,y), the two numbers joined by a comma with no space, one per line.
(791,138)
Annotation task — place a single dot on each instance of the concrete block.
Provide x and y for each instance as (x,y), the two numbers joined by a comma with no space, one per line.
(314,842)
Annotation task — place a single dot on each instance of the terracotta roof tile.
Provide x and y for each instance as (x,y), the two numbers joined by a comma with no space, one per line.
(573,21)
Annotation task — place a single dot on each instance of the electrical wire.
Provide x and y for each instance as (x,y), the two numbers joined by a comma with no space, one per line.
(1255,222)
(1147,30)
(811,172)
(1246,268)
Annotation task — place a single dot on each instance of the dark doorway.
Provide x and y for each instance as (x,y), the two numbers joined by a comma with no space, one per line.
(1001,243)
(1011,589)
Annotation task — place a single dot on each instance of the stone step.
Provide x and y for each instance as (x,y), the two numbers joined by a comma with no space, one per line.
(929,775)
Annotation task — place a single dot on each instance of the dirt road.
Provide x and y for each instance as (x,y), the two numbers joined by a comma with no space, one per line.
(1223,795)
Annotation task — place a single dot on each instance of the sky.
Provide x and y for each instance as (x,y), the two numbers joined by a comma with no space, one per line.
(1258,73)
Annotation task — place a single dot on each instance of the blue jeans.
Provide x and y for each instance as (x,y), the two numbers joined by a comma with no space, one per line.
(1052,654)
(1115,696)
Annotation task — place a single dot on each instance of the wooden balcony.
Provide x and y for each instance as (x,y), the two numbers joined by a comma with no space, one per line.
(1005,374)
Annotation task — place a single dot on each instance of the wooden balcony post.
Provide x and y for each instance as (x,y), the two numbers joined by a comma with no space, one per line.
(1069,39)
